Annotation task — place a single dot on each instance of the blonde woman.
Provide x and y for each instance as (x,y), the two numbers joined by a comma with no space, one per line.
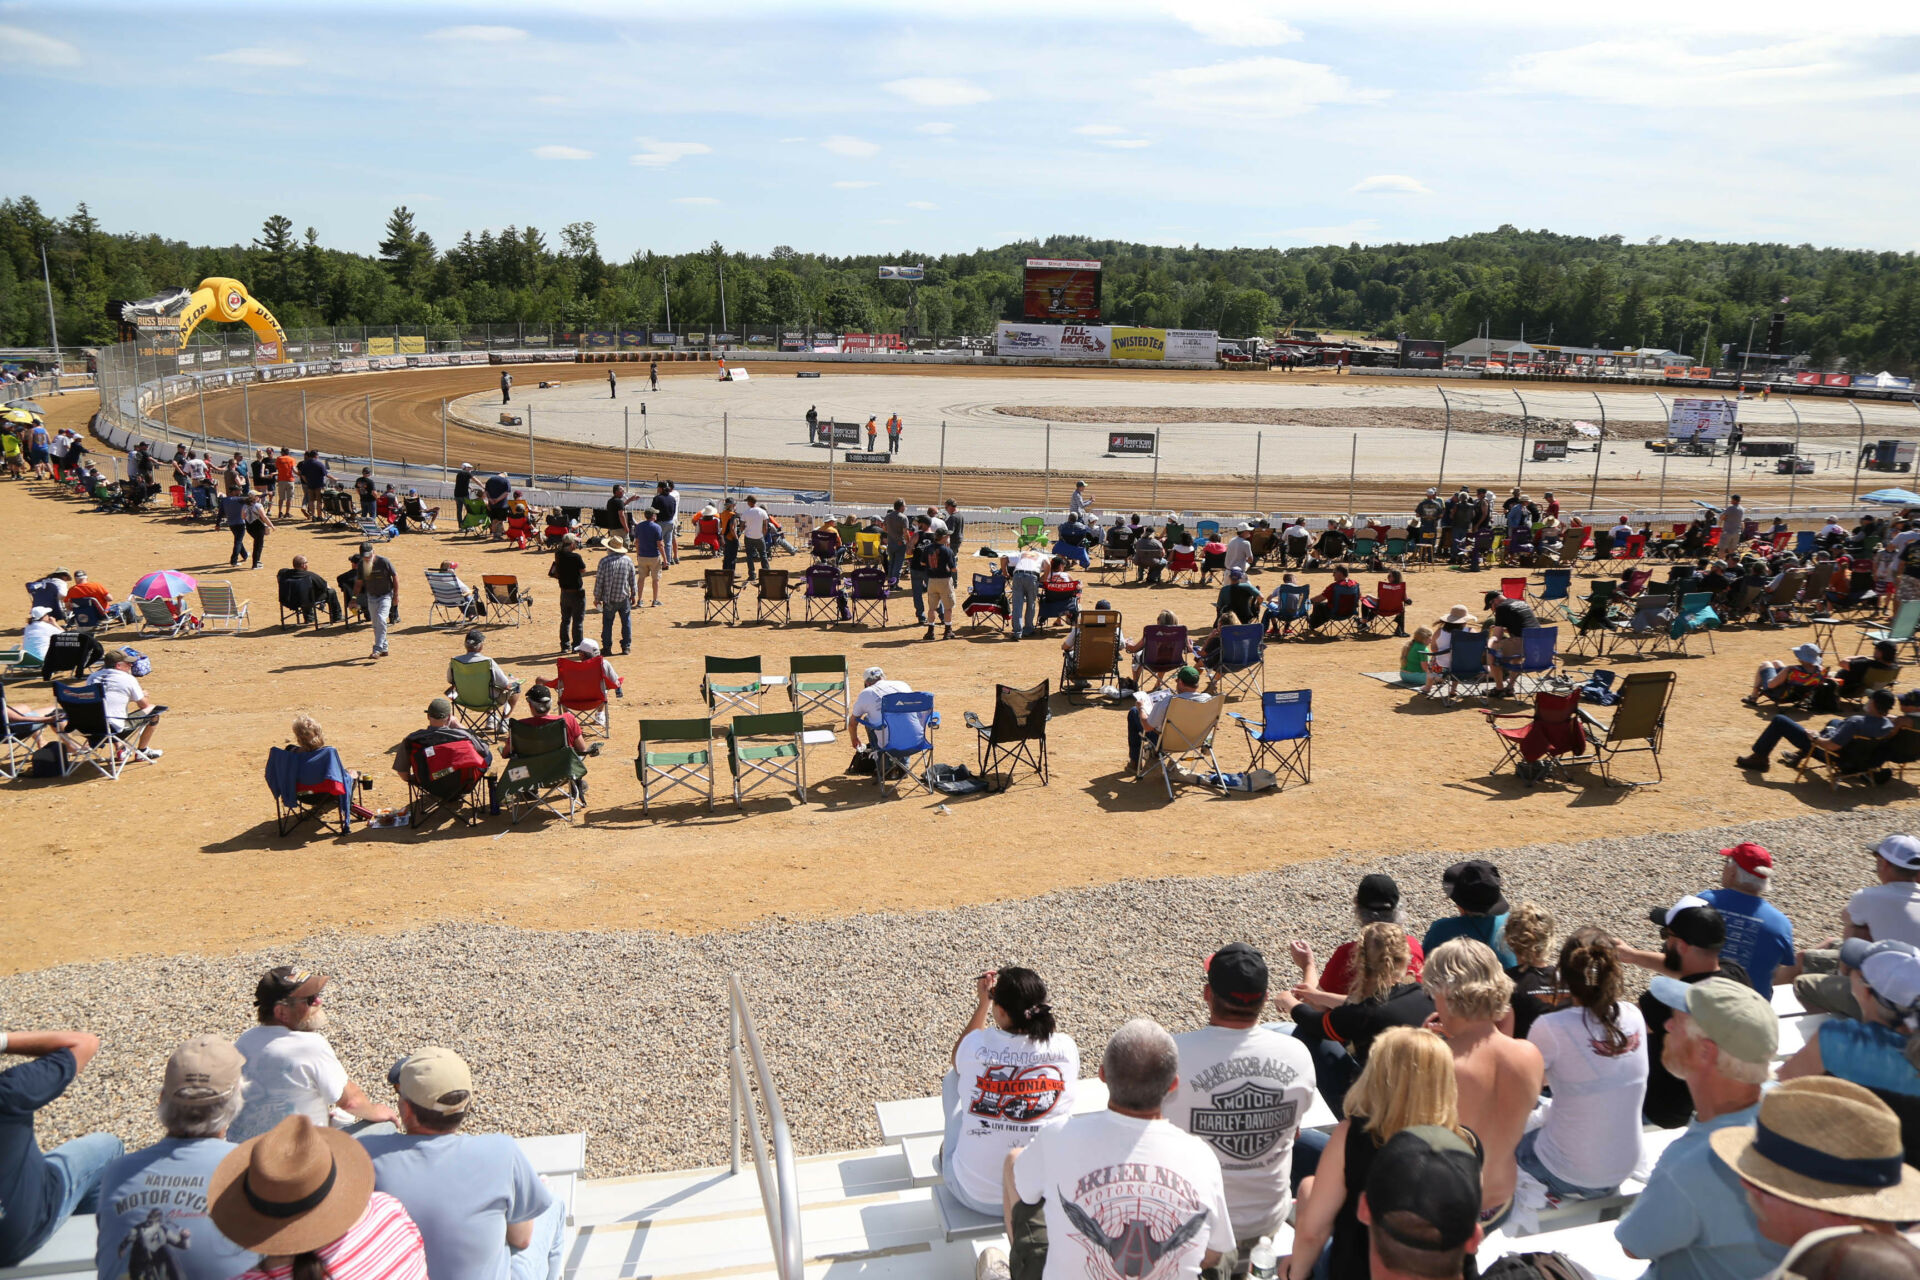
(307,734)
(1537,988)
(1380,994)
(1408,1081)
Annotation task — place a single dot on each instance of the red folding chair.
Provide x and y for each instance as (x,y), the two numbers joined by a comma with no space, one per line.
(1182,560)
(1388,602)
(1513,588)
(583,691)
(519,532)
(1535,748)
(706,533)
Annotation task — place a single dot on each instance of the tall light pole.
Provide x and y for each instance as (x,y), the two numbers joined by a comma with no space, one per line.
(668,292)
(53,323)
(720,271)
(1748,349)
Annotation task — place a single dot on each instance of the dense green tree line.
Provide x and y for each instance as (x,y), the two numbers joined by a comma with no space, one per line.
(1843,304)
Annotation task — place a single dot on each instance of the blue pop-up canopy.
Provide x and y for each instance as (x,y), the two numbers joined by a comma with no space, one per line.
(1892,497)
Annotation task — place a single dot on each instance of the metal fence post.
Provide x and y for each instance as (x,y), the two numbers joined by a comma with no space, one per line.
(201,386)
(1353,463)
(1526,421)
(166,411)
(1666,453)
(1446,434)
(1793,463)
(443,438)
(304,446)
(1593,493)
(626,439)
(369,428)
(1046,472)
(726,484)
(246,415)
(1860,449)
(531,482)
(942,492)
(833,452)
(1730,447)
(1257,436)
(1153,499)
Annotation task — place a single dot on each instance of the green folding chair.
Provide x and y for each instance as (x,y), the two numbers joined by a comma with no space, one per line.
(542,772)
(473,699)
(766,749)
(661,770)
(732,683)
(1033,531)
(474,515)
(819,680)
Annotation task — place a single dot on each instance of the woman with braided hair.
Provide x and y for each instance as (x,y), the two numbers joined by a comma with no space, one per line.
(1596,1058)
(1380,994)
(1013,1075)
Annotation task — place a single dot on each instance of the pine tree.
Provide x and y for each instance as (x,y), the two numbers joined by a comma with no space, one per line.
(275,244)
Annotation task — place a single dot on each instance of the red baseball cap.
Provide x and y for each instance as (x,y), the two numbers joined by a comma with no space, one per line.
(1750,858)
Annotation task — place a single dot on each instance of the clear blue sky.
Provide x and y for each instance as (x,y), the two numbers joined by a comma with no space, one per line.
(854,128)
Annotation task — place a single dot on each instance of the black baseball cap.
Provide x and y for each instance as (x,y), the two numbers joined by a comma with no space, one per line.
(1424,1189)
(1238,973)
(283,982)
(1475,886)
(1692,920)
(1377,892)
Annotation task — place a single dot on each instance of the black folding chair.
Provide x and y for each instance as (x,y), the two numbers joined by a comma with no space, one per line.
(1017,738)
(70,653)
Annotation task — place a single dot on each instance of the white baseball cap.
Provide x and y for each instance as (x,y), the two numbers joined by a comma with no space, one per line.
(1891,968)
(875,673)
(1900,851)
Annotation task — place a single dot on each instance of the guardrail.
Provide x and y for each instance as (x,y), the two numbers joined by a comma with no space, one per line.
(779,1185)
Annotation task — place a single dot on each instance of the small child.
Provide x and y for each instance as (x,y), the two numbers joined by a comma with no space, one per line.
(1413,658)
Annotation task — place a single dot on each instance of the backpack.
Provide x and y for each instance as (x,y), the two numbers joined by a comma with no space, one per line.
(1599,689)
(46,761)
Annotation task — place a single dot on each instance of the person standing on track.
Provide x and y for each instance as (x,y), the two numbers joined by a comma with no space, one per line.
(873,432)
(283,470)
(893,433)
(653,375)
(506,387)
(613,385)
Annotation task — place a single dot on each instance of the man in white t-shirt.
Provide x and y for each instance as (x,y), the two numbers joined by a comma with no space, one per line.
(290,1068)
(866,707)
(1120,1191)
(1889,909)
(1240,549)
(40,631)
(127,704)
(753,527)
(1244,1091)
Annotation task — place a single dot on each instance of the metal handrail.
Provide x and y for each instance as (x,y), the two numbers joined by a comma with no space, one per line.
(779,1186)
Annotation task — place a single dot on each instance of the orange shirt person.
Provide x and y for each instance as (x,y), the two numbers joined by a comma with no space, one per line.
(82,588)
(872,431)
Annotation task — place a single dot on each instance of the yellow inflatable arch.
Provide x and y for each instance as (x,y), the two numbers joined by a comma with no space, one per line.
(229,302)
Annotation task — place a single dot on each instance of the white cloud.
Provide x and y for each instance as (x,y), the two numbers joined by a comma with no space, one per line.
(561,153)
(31,46)
(695,200)
(1272,87)
(1098,130)
(922,204)
(937,91)
(858,148)
(786,141)
(1664,75)
(257,57)
(1128,144)
(854,186)
(1395,183)
(933,126)
(662,153)
(479,34)
(1245,25)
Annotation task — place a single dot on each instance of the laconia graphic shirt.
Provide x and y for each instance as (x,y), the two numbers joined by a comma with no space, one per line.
(1011,1087)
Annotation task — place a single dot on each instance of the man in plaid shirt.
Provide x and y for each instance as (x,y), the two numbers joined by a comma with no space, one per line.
(615,583)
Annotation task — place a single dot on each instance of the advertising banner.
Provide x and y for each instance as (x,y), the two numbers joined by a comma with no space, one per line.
(882,456)
(1549,450)
(1882,381)
(267,351)
(633,337)
(380,346)
(358,365)
(1807,379)
(1140,442)
(1139,344)
(696,339)
(1420,353)
(1026,339)
(830,434)
(1061,289)
(387,362)
(600,338)
(916,272)
(470,357)
(858,342)
(663,339)
(1193,344)
(1835,380)
(1698,418)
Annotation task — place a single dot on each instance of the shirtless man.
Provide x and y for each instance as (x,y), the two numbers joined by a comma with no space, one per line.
(1499,1077)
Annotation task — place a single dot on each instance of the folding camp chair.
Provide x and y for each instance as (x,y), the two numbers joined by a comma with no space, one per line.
(1094,659)
(583,692)
(661,770)
(474,699)
(732,683)
(1776,607)
(1186,735)
(218,609)
(1288,606)
(1856,762)
(160,615)
(818,680)
(1240,665)
(1805,543)
(1033,532)
(1556,594)
(1362,551)
(720,598)
(825,545)
(1056,603)
(774,597)
(1345,616)
(763,749)
(1017,737)
(473,516)
(1593,628)
(15,738)
(1211,562)
(90,738)
(1394,551)
(19,663)
(1649,627)
(987,604)
(519,532)
(69,653)
(449,775)
(869,594)
(822,598)
(373,530)
(866,547)
(1632,583)
(310,786)
(1813,592)
(44,595)
(1538,657)
(903,741)
(88,614)
(449,604)
(1163,651)
(1696,617)
(1906,617)
(1466,669)
(298,599)
(1206,530)
(541,771)
(1181,560)
(1282,739)
(1388,604)
(1549,733)
(1638,725)
(505,599)
(1513,588)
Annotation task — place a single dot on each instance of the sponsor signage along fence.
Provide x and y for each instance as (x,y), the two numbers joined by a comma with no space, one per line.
(1420,353)
(1700,418)
(915,272)
(1106,342)
(882,456)
(1131,343)
(1549,450)
(830,434)
(1132,442)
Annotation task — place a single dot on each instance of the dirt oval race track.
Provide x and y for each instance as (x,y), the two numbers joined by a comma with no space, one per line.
(407,426)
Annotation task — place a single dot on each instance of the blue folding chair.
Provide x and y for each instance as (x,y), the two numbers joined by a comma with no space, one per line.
(1289,607)
(1805,543)
(44,594)
(1206,530)
(91,738)
(905,719)
(310,784)
(1282,738)
(1242,662)
(1466,667)
(1696,616)
(986,604)
(1538,657)
(1556,592)
(1347,616)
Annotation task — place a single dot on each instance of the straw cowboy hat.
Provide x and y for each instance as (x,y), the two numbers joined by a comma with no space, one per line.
(290,1190)
(616,544)
(1826,1144)
(1460,615)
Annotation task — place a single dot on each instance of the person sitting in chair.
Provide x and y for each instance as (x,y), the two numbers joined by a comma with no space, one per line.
(505,689)
(1507,621)
(1852,674)
(476,605)
(1149,712)
(1070,645)
(540,711)
(1322,611)
(412,508)
(1874,724)
(1138,648)
(1149,557)
(1239,600)
(1788,683)
(1120,537)
(440,728)
(866,707)
(319,591)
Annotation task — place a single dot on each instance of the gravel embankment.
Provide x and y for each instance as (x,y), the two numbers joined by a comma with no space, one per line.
(622,1034)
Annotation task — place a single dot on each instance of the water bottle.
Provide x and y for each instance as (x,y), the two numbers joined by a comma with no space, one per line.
(1262,1264)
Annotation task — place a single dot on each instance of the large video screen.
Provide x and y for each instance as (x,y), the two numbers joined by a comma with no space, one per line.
(1062,289)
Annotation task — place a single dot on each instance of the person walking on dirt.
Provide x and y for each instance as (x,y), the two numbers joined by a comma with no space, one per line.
(506,387)
(613,386)
(893,434)
(872,432)
(653,375)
